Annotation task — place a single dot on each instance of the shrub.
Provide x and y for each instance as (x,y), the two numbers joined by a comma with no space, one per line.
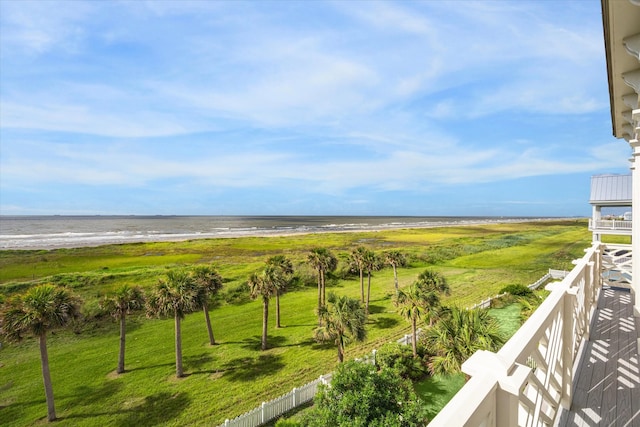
(517,290)
(400,358)
(360,396)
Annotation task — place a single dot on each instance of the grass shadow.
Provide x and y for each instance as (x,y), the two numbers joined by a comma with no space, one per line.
(376,309)
(385,322)
(248,369)
(255,342)
(159,408)
(87,396)
(199,361)
(142,368)
(437,390)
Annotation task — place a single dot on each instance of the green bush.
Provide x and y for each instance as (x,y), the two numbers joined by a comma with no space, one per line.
(400,358)
(517,290)
(362,396)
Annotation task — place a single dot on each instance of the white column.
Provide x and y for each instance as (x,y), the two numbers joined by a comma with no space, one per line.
(635,232)
(596,215)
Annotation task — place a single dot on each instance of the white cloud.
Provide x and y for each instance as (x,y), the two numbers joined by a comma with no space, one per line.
(328,97)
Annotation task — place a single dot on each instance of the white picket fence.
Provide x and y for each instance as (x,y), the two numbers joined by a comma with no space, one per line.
(301,395)
(278,406)
(552,274)
(296,397)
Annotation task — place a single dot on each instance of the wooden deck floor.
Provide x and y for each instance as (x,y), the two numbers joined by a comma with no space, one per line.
(607,382)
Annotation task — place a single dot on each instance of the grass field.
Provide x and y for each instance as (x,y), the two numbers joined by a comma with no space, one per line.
(225,380)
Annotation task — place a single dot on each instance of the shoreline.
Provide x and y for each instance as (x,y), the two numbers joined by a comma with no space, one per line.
(86,240)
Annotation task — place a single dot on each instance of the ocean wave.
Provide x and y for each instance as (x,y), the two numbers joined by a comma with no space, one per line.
(69,232)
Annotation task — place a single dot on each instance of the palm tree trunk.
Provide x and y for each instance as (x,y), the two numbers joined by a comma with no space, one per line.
(319,297)
(414,337)
(265,320)
(361,286)
(179,372)
(123,332)
(277,309)
(368,292)
(205,308)
(340,350)
(46,377)
(324,289)
(395,277)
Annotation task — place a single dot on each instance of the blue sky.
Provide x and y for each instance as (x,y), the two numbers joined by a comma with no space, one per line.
(316,107)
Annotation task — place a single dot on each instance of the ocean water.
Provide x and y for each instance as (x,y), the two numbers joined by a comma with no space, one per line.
(49,232)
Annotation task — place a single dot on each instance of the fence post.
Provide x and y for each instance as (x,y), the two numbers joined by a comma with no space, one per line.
(264,404)
(293,392)
(226,423)
(374,351)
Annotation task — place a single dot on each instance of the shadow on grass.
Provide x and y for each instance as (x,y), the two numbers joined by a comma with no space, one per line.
(86,395)
(436,391)
(255,342)
(197,362)
(249,369)
(142,368)
(385,322)
(375,309)
(159,408)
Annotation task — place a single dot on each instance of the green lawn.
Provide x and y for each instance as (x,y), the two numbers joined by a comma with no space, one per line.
(225,380)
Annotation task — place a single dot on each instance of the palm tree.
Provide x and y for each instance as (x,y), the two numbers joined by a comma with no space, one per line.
(125,300)
(356,263)
(432,284)
(323,261)
(371,263)
(395,259)
(344,320)
(412,308)
(41,309)
(209,282)
(281,270)
(262,285)
(459,334)
(176,296)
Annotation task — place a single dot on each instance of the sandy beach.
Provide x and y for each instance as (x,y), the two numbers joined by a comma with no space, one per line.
(45,234)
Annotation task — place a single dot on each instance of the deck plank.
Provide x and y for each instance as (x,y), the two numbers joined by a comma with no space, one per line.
(606,387)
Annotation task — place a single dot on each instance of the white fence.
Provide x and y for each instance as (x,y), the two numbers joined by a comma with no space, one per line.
(556,274)
(278,406)
(530,379)
(296,397)
(299,396)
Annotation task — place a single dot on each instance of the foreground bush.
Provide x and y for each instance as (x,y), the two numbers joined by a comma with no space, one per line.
(361,396)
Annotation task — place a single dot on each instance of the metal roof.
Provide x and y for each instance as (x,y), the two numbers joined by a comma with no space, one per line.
(612,190)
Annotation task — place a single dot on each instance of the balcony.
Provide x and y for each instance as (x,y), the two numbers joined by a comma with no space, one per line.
(611,226)
(574,362)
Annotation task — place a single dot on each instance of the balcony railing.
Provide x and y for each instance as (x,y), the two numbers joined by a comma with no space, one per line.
(610,225)
(529,380)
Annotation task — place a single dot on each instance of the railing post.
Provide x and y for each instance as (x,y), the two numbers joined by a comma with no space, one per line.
(293,392)
(568,331)
(508,396)
(262,418)
(511,380)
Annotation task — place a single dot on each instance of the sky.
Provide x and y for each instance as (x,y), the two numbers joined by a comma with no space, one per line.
(303,107)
